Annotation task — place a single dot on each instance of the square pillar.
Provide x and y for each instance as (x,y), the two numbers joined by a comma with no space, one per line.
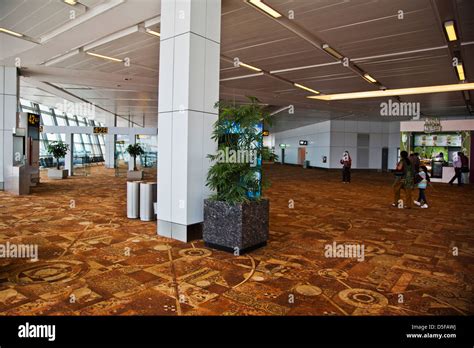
(111,121)
(9,95)
(132,140)
(188,90)
(69,159)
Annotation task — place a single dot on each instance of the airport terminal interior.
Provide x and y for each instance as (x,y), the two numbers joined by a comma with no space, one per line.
(111,205)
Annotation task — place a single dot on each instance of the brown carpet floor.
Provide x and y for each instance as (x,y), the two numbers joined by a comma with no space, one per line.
(95,261)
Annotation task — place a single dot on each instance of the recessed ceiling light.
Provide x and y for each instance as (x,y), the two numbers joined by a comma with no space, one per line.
(305,88)
(152,32)
(397,92)
(70,2)
(249,67)
(104,57)
(460,70)
(6,31)
(450,30)
(369,78)
(332,51)
(265,8)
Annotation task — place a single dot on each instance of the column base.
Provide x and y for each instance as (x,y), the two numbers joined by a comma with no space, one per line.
(183,233)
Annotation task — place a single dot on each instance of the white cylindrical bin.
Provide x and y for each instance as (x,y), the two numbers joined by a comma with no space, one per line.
(133,199)
(147,200)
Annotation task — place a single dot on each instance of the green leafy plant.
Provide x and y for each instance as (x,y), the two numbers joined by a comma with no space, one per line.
(134,151)
(58,149)
(236,130)
(269,155)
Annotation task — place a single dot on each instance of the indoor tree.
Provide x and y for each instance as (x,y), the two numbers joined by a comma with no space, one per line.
(238,128)
(134,151)
(58,149)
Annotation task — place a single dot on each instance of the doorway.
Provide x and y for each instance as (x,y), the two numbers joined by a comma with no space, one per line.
(301,155)
(385,159)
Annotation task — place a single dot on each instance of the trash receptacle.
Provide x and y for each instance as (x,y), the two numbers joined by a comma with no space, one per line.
(147,200)
(133,199)
(305,164)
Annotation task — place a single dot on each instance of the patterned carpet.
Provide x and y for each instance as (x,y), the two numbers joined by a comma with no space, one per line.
(95,261)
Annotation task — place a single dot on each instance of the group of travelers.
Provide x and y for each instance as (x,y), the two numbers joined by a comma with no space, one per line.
(410,174)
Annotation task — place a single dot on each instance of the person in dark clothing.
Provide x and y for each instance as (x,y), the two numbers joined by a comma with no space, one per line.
(416,162)
(464,168)
(404,180)
(457,163)
(346,162)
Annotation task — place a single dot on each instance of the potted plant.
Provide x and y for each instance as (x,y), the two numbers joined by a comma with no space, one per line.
(58,149)
(268,156)
(134,151)
(236,217)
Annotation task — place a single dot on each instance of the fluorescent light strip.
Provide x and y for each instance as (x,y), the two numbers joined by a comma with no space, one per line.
(152,32)
(70,2)
(6,31)
(396,92)
(61,58)
(305,88)
(460,70)
(249,67)
(450,30)
(265,8)
(241,77)
(369,78)
(332,51)
(104,57)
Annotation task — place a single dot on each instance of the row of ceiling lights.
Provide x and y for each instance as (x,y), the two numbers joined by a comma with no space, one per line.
(450,30)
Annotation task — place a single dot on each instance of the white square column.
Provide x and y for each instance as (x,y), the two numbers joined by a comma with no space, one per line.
(110,121)
(69,158)
(132,140)
(188,90)
(9,90)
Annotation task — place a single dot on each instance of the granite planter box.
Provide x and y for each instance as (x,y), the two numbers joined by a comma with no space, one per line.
(236,228)
(135,175)
(57,174)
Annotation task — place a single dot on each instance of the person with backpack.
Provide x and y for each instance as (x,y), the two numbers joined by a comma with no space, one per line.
(404,180)
(422,179)
(346,162)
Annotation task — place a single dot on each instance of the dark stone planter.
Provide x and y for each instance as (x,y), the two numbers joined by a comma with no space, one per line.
(240,227)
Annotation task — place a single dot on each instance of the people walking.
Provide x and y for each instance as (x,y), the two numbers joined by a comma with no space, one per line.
(457,163)
(422,178)
(404,180)
(346,162)
(464,168)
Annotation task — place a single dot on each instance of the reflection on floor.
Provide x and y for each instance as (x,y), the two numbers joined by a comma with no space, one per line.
(95,261)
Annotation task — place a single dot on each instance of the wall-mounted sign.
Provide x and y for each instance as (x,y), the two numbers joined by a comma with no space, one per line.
(265,133)
(33,120)
(101,130)
(438,140)
(304,142)
(283,146)
(432,125)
